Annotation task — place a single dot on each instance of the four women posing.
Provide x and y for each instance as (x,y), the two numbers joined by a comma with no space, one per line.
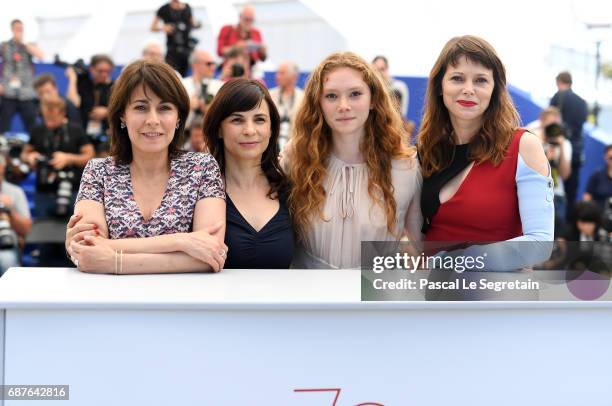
(347,176)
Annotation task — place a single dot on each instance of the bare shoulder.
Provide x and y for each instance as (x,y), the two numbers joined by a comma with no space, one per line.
(532,152)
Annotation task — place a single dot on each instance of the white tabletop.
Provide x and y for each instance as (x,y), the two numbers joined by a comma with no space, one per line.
(53,288)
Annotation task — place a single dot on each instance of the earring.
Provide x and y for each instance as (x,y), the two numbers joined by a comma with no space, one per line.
(178,124)
(122,125)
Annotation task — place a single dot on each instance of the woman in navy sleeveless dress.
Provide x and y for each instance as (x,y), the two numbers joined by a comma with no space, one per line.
(241,128)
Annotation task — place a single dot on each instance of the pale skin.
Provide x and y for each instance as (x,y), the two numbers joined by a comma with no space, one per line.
(246,136)
(150,124)
(346,103)
(466,90)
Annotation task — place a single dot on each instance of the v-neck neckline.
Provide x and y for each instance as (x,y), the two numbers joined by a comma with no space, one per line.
(246,221)
(161,202)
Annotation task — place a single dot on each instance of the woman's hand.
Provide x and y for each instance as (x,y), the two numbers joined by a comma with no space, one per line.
(77,232)
(94,255)
(205,247)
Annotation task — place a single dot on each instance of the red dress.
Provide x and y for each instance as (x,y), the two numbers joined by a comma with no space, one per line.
(485,207)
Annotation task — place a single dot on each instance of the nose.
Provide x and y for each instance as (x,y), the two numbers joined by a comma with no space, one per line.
(343,104)
(249,127)
(152,118)
(468,88)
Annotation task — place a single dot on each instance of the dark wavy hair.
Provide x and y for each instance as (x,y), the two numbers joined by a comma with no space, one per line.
(500,120)
(162,80)
(240,95)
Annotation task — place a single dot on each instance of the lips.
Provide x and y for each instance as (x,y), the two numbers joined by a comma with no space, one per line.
(248,144)
(466,103)
(152,134)
(345,119)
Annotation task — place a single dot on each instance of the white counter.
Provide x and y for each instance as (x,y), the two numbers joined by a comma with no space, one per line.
(251,337)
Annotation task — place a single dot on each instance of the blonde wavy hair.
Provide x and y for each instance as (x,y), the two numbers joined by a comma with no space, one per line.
(311,144)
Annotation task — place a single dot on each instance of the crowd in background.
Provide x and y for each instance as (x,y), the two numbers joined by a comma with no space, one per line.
(66,131)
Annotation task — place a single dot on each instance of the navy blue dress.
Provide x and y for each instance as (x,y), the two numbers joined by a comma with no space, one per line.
(270,248)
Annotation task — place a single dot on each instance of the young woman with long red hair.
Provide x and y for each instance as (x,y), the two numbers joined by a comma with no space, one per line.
(352,177)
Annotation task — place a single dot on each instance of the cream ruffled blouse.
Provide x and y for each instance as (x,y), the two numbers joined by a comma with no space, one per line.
(352,217)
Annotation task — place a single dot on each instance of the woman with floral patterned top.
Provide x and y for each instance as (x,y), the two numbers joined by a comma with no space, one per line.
(148,207)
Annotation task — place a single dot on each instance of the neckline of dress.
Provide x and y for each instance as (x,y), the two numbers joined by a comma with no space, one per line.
(344,164)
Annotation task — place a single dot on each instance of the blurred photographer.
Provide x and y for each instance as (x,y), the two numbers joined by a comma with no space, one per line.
(176,20)
(45,86)
(16,76)
(201,86)
(89,90)
(287,96)
(555,138)
(15,221)
(599,186)
(236,65)
(58,151)
(242,37)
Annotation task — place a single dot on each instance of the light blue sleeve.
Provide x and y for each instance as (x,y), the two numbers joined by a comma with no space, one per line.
(537,211)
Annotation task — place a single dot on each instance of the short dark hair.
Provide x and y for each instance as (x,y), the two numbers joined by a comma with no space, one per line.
(608,148)
(239,95)
(96,59)
(588,211)
(43,79)
(382,58)
(162,80)
(564,77)
(16,21)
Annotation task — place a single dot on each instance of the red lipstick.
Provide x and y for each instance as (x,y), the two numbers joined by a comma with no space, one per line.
(466,103)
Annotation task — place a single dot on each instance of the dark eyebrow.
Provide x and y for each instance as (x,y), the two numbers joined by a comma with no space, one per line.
(140,101)
(360,87)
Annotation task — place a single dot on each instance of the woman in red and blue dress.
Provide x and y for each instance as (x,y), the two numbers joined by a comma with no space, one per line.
(484,178)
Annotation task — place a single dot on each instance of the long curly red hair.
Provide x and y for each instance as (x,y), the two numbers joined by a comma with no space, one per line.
(311,144)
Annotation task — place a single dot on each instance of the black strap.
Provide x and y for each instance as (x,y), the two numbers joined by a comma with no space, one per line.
(430,194)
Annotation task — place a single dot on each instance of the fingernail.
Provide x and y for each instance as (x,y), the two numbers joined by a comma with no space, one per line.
(97,232)
(95,226)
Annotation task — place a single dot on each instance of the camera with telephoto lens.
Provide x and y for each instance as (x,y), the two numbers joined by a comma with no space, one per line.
(180,40)
(79,66)
(8,238)
(237,70)
(58,182)
(16,169)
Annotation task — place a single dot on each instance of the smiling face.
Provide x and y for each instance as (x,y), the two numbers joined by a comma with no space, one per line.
(246,134)
(466,90)
(151,122)
(346,102)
